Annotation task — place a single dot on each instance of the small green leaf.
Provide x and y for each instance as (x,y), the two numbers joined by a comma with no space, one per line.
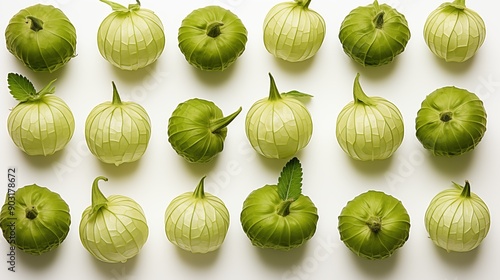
(20,87)
(290,180)
(297,94)
(115,6)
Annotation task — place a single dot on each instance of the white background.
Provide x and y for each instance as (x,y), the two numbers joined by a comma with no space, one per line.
(331,179)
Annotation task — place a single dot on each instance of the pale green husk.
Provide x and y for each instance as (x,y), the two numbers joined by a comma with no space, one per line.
(454,32)
(280,125)
(457,219)
(369,128)
(41,127)
(118,132)
(113,229)
(42,123)
(130,38)
(293,32)
(197,221)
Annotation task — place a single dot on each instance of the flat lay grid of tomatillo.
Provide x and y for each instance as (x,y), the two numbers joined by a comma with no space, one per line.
(222,139)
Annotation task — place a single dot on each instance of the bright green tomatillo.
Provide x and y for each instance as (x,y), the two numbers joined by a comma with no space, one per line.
(113,229)
(197,221)
(454,32)
(130,37)
(118,132)
(451,121)
(280,125)
(369,128)
(212,38)
(457,219)
(279,216)
(35,219)
(42,37)
(374,35)
(42,123)
(197,129)
(293,32)
(374,224)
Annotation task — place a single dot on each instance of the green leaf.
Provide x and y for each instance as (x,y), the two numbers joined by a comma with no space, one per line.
(115,6)
(290,180)
(297,94)
(20,87)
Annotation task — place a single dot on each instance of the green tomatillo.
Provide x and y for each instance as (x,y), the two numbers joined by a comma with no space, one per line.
(197,129)
(280,216)
(35,219)
(451,121)
(212,38)
(374,35)
(42,37)
(374,224)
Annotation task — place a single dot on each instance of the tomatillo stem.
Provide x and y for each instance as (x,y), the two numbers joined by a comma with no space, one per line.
(379,20)
(31,213)
(213,29)
(446,116)
(375,224)
(284,208)
(36,24)
(199,192)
